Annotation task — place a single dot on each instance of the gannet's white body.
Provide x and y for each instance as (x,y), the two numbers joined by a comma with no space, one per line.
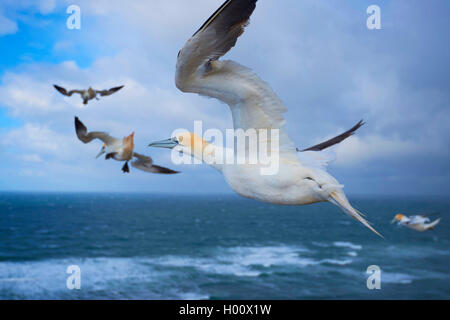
(418,222)
(254,105)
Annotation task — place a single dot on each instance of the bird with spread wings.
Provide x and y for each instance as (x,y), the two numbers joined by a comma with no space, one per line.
(119,149)
(302,177)
(87,94)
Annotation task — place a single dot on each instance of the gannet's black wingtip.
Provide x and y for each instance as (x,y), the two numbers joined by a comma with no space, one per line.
(163,170)
(80,128)
(337,139)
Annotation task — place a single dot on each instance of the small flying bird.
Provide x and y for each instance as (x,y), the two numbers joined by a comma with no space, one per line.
(302,177)
(418,222)
(88,94)
(120,150)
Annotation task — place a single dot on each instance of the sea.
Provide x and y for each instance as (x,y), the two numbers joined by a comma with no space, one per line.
(147,246)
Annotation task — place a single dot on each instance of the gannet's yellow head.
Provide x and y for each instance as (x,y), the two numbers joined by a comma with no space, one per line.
(191,142)
(187,142)
(398,217)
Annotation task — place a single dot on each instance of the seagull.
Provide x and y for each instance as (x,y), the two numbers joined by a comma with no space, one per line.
(418,222)
(302,177)
(120,150)
(88,94)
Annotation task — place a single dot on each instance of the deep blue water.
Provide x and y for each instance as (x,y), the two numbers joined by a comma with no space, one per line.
(216,247)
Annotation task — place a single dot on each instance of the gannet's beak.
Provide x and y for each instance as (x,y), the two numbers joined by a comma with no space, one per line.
(101,152)
(394,221)
(168,143)
(338,198)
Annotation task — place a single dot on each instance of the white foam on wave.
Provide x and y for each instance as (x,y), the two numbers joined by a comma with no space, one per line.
(243,261)
(152,278)
(104,278)
(336,262)
(266,256)
(320,244)
(208,265)
(343,244)
(396,278)
(250,261)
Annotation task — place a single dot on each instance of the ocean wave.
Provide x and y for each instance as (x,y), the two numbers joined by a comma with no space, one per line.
(251,261)
(153,277)
(336,262)
(101,278)
(396,278)
(265,256)
(343,244)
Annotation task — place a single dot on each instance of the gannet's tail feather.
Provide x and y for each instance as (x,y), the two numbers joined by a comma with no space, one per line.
(433,224)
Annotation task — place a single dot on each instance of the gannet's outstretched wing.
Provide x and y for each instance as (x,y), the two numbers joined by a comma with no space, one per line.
(418,219)
(335,140)
(64,91)
(145,163)
(108,92)
(254,105)
(87,137)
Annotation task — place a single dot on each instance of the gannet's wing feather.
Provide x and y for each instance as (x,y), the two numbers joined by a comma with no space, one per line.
(316,159)
(74,91)
(108,92)
(87,137)
(64,91)
(335,140)
(145,163)
(418,219)
(215,37)
(254,105)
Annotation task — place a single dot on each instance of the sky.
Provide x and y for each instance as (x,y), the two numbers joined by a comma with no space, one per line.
(319,56)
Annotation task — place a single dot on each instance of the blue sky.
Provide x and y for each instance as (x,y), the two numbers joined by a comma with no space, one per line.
(319,56)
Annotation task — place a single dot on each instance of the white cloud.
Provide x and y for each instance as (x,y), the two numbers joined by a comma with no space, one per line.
(356,150)
(26,96)
(39,139)
(63,45)
(32,158)
(31,173)
(7,26)
(46,6)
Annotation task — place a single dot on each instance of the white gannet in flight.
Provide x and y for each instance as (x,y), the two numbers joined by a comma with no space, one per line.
(301,178)
(119,149)
(88,94)
(418,223)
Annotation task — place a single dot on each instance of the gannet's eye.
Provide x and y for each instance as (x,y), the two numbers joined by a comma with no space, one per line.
(309,178)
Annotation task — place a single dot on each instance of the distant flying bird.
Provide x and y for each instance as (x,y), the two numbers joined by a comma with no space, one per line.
(418,222)
(88,94)
(302,177)
(119,149)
